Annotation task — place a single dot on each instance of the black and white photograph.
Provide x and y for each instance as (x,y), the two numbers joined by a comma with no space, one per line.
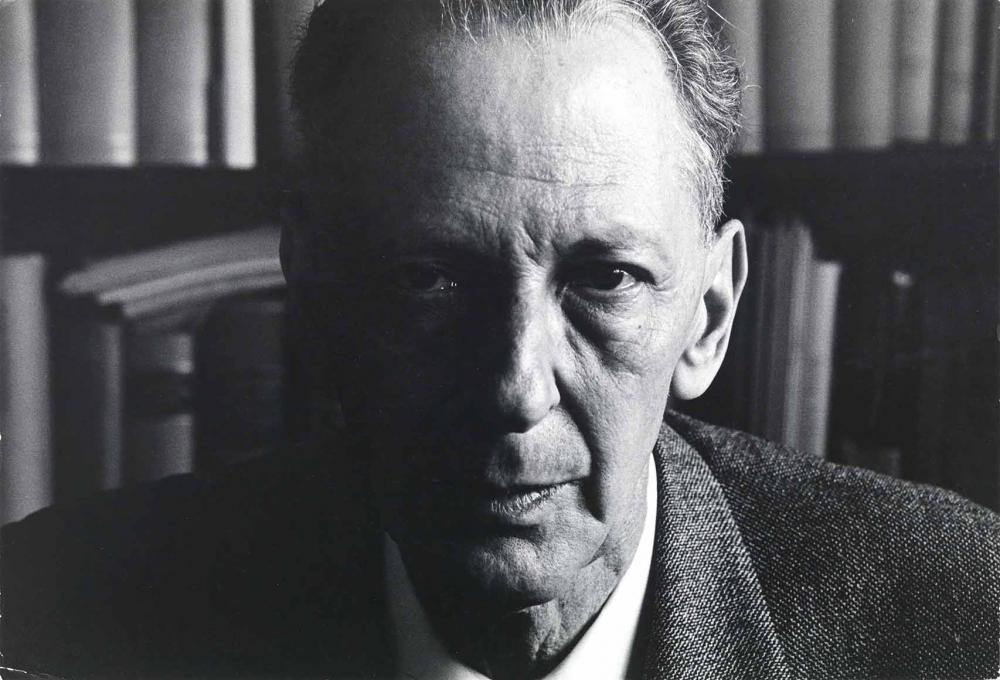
(499,339)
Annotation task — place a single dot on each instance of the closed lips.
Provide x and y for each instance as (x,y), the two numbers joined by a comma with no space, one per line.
(518,500)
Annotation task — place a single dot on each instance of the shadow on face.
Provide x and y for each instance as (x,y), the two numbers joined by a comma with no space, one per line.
(520,268)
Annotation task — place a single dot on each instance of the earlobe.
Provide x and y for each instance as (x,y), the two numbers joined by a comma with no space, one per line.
(725,276)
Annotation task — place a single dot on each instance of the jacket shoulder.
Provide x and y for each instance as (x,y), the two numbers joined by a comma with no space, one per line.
(856,563)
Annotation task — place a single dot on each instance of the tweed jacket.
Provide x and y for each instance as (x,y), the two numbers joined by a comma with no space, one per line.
(766,564)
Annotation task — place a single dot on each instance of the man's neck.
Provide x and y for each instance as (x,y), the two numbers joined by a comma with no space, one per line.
(528,642)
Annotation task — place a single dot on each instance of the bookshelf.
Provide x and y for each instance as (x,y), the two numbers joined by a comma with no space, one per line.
(913,205)
(857,199)
(854,199)
(932,210)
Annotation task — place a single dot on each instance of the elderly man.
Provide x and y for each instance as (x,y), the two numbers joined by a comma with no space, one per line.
(510,259)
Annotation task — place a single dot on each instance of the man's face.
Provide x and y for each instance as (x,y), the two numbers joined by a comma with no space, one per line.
(521,278)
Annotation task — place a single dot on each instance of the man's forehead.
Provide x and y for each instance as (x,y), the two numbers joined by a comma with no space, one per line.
(591,101)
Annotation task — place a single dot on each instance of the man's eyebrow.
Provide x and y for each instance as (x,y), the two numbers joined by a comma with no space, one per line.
(618,238)
(444,243)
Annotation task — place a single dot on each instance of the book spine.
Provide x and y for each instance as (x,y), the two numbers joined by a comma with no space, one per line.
(798,312)
(86,67)
(891,414)
(782,256)
(281,24)
(987,60)
(27,467)
(817,357)
(865,60)
(875,389)
(18,84)
(916,63)
(799,74)
(159,424)
(240,378)
(740,22)
(235,129)
(89,357)
(174,53)
(762,300)
(955,78)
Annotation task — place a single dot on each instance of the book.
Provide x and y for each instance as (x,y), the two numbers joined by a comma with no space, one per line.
(159,408)
(987,64)
(234,142)
(176,301)
(740,22)
(280,25)
(797,285)
(86,70)
(26,470)
(18,84)
(955,438)
(249,269)
(90,379)
(173,81)
(875,387)
(173,259)
(953,98)
(762,287)
(799,74)
(782,259)
(865,57)
(240,369)
(916,65)
(817,356)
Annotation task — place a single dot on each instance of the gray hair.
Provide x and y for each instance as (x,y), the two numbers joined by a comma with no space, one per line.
(705,76)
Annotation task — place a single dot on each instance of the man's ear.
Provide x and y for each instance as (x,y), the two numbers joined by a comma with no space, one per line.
(725,275)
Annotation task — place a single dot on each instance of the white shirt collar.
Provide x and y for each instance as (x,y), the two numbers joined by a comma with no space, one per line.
(604,651)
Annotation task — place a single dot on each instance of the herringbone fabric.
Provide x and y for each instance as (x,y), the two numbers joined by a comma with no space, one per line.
(864,576)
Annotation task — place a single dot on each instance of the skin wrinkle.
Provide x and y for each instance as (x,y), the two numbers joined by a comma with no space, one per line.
(524,176)
(687,52)
(523,380)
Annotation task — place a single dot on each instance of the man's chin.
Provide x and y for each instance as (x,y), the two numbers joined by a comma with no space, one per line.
(508,572)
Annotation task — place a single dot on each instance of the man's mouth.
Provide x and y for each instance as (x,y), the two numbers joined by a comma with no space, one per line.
(515,505)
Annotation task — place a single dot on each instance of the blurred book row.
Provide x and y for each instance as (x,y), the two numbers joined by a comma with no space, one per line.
(174,360)
(777,376)
(120,82)
(863,362)
(145,365)
(864,74)
(192,82)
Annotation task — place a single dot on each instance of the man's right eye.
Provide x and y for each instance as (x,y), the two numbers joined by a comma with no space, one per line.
(423,279)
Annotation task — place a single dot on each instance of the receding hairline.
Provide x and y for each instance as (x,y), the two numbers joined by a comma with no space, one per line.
(708,120)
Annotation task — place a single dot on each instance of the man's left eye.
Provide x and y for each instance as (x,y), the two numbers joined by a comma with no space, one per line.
(423,279)
(603,278)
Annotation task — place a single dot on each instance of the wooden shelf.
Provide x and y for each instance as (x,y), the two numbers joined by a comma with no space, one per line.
(75,213)
(917,197)
(942,200)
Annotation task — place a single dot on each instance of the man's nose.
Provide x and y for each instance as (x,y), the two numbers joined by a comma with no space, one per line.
(525,387)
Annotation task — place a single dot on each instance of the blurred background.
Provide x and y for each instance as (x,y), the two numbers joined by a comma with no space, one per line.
(147,155)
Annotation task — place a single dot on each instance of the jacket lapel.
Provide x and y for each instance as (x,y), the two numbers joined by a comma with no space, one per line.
(705,609)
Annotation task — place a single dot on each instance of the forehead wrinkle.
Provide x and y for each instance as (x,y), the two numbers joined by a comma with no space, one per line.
(584,161)
(543,177)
